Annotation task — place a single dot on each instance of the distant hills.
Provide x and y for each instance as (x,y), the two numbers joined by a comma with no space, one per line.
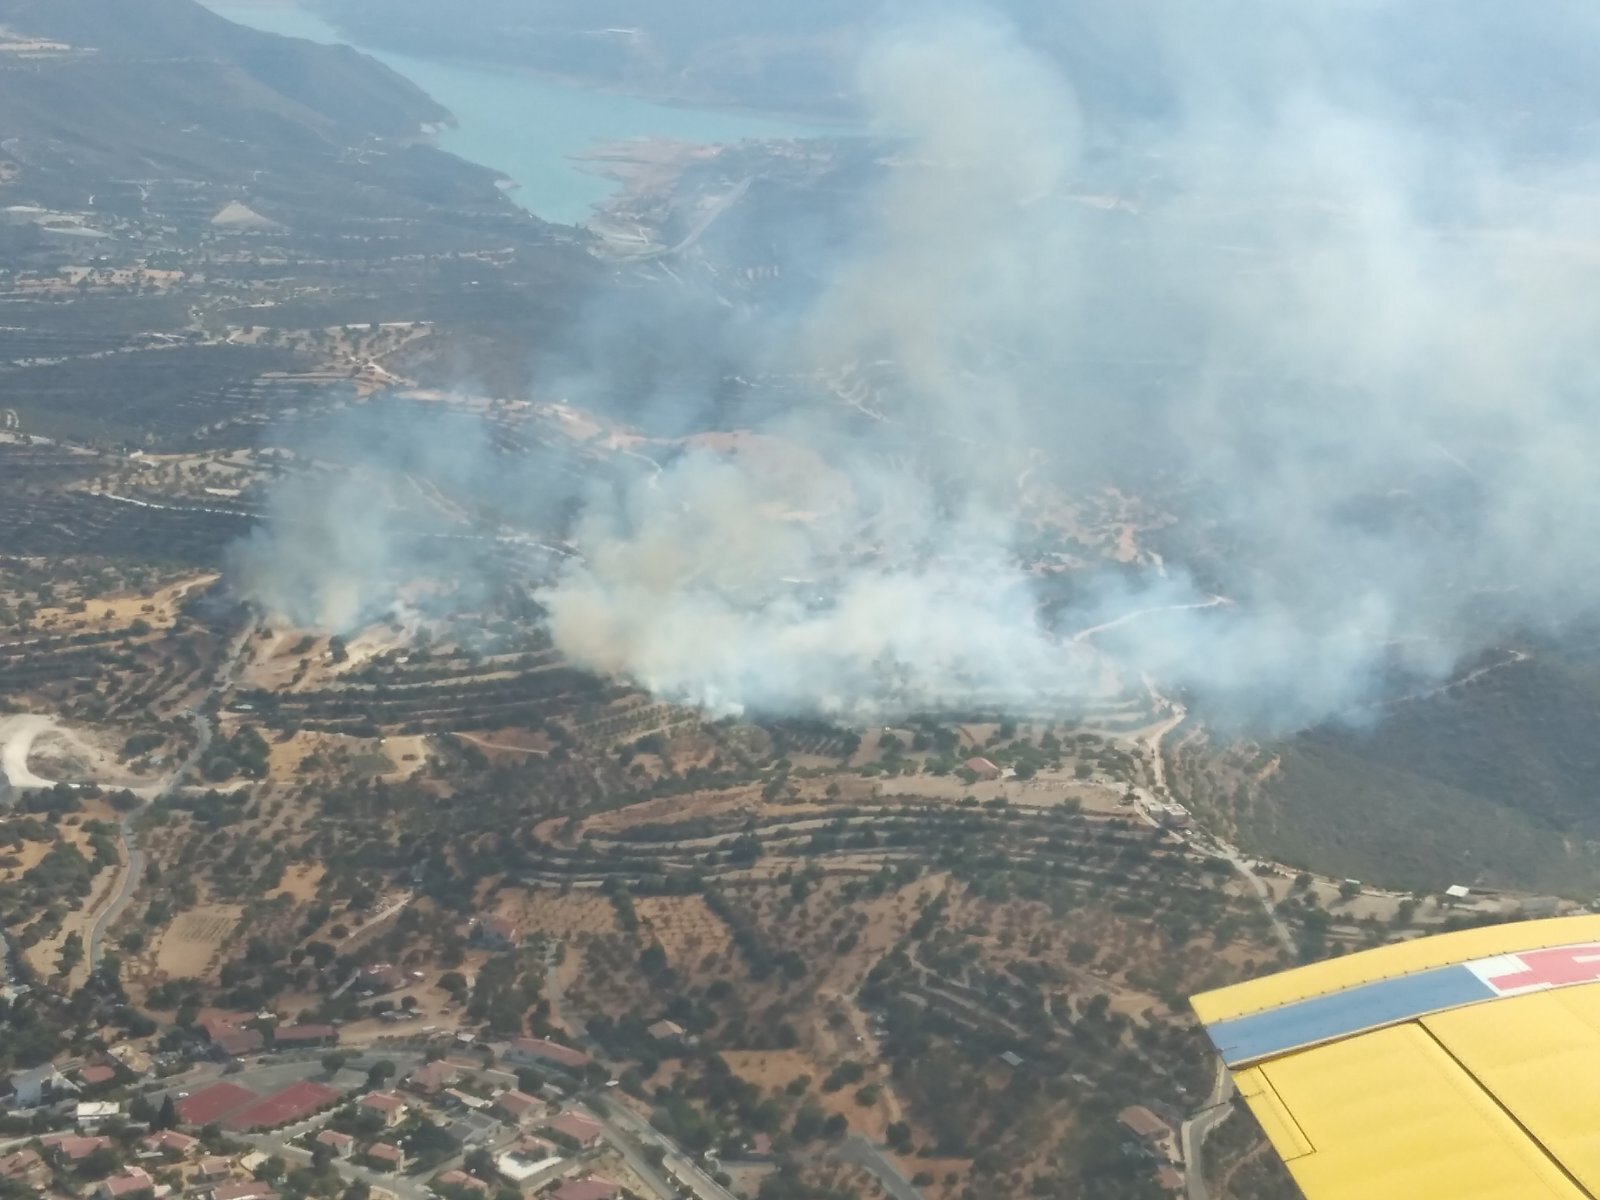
(1485,69)
(168,90)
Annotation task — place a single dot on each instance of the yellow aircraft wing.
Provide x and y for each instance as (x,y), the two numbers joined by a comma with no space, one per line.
(1464,1066)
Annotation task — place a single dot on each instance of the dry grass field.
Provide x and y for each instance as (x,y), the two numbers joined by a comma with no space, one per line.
(685,928)
(191,947)
(555,915)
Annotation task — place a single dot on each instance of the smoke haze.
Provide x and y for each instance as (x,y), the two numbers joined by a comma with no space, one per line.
(1354,343)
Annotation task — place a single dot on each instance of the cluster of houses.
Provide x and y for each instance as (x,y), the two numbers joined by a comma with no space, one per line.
(164,1153)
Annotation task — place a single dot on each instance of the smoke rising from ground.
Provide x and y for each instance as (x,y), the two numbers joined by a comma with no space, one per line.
(1357,349)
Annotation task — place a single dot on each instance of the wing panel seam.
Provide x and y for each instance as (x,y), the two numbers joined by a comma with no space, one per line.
(1522,1126)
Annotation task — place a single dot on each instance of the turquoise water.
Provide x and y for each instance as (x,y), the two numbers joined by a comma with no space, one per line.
(529,126)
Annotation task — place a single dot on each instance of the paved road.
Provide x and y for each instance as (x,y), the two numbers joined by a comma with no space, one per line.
(626,1128)
(127,884)
(1192,1134)
(863,1153)
(133,873)
(1263,893)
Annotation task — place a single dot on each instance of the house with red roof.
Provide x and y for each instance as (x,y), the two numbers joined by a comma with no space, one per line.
(459,1181)
(528,1052)
(432,1078)
(342,1144)
(596,1187)
(387,1155)
(518,1106)
(386,1104)
(136,1181)
(575,1129)
(72,1147)
(168,1142)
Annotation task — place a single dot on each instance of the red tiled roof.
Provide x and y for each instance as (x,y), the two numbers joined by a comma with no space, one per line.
(169,1139)
(593,1188)
(213,1103)
(578,1127)
(129,1184)
(293,1103)
(432,1076)
(384,1102)
(384,1152)
(332,1137)
(75,1147)
(514,1102)
(99,1073)
(1141,1122)
(460,1179)
(251,1189)
(550,1051)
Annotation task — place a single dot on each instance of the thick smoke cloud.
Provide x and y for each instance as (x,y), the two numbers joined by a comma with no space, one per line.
(1350,346)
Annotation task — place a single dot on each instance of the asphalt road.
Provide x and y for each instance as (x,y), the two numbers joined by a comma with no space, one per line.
(1192,1134)
(863,1153)
(626,1128)
(133,874)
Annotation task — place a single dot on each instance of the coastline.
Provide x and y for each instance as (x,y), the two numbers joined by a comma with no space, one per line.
(830,121)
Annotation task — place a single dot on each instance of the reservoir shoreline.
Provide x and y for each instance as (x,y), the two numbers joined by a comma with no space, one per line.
(536,128)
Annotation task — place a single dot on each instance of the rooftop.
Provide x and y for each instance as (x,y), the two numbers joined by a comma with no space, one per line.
(130,1183)
(594,1188)
(1141,1122)
(550,1051)
(516,1102)
(384,1102)
(250,1189)
(577,1127)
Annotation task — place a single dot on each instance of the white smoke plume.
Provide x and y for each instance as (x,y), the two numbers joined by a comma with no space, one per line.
(1351,345)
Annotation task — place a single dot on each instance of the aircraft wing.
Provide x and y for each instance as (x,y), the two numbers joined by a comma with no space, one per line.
(1464,1066)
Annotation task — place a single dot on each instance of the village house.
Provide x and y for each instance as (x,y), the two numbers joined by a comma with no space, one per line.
(386,1104)
(248,1189)
(342,1144)
(596,1187)
(982,769)
(386,1155)
(169,1143)
(70,1147)
(432,1078)
(459,1181)
(527,1158)
(39,1085)
(90,1115)
(576,1130)
(495,933)
(229,1036)
(1150,1130)
(136,1181)
(529,1052)
(666,1031)
(212,1168)
(519,1107)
